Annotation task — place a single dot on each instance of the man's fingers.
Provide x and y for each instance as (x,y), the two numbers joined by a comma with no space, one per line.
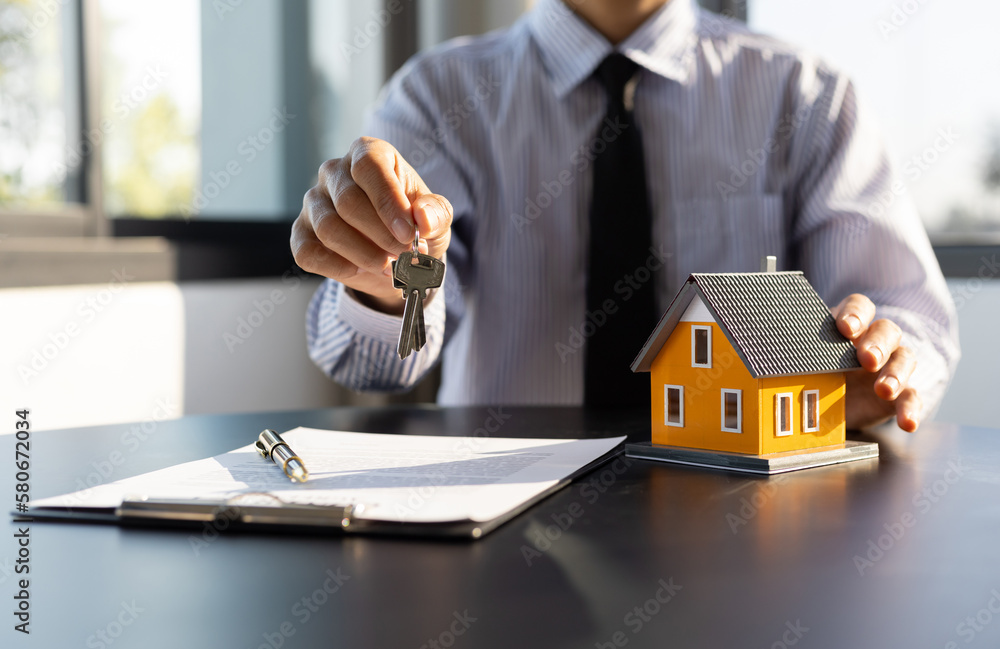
(909,407)
(878,344)
(361,214)
(871,397)
(314,257)
(853,315)
(433,214)
(895,375)
(355,210)
(326,225)
(343,239)
(381,173)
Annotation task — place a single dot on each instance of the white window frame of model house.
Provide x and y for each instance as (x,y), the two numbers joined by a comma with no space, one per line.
(694,346)
(666,405)
(739,411)
(778,431)
(806,428)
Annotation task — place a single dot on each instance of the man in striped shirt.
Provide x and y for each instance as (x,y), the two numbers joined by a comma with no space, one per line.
(751,146)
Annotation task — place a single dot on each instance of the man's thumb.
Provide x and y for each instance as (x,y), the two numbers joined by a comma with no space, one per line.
(432,214)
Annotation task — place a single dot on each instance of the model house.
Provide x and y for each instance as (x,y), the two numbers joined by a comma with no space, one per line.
(748,363)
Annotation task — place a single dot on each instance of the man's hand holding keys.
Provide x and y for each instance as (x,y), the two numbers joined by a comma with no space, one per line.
(361,215)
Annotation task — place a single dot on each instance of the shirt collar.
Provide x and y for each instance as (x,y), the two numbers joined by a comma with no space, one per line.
(572,49)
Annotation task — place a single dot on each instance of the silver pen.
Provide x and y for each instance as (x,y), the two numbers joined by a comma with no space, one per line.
(270,444)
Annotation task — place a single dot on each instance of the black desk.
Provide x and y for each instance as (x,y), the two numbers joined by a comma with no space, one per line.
(759,562)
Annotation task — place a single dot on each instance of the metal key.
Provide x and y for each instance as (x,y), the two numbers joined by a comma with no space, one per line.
(415,274)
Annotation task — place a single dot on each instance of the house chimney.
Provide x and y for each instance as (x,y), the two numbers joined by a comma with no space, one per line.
(768,264)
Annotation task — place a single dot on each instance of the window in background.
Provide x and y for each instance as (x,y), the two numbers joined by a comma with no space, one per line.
(347,59)
(927,70)
(150,105)
(41,160)
(220,109)
(202,110)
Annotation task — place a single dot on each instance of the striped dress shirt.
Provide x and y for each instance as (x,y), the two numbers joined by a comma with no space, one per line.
(752,147)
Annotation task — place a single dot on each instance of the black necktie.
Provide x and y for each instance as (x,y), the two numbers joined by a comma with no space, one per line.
(620,306)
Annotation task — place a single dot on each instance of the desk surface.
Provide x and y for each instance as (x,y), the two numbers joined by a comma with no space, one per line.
(636,554)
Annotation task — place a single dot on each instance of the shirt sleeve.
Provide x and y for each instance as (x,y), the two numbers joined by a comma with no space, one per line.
(356,345)
(856,230)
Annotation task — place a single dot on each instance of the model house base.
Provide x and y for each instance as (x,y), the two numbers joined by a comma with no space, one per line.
(784,462)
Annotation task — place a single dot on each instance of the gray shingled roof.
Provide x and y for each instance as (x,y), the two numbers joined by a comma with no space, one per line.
(777,323)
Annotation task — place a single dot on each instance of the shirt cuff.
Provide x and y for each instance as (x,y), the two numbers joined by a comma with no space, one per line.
(382,327)
(379,326)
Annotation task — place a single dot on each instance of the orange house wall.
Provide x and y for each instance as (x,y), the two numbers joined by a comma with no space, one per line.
(702,400)
(832,430)
(702,394)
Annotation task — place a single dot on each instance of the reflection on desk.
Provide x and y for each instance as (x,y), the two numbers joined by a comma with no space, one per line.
(637,554)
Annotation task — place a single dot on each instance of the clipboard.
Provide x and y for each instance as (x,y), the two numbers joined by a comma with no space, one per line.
(263,512)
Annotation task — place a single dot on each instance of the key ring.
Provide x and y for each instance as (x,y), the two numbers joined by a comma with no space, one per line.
(416,240)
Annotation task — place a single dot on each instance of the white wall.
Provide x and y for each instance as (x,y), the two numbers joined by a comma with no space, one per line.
(245,347)
(90,354)
(974,395)
(129,351)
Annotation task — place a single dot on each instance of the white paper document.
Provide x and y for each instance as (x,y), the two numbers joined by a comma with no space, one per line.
(399,478)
